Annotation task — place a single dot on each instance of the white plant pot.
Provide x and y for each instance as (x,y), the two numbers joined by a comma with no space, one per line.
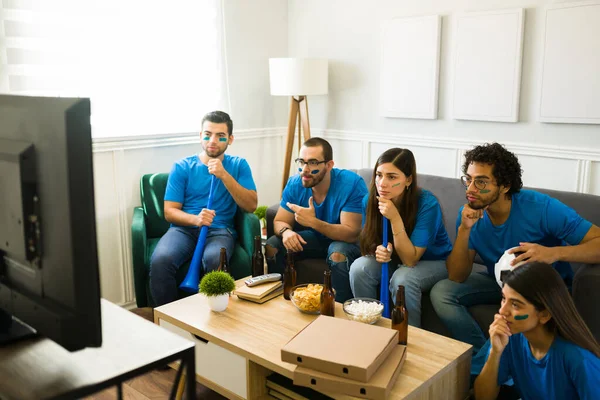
(218,303)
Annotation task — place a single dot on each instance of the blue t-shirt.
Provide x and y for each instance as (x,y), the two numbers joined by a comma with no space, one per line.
(534,218)
(429,231)
(566,372)
(189,184)
(346,190)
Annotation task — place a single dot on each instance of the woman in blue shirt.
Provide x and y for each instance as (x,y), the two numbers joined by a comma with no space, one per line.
(539,340)
(419,242)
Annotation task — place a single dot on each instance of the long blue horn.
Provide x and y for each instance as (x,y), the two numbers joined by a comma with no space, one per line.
(384,292)
(190,283)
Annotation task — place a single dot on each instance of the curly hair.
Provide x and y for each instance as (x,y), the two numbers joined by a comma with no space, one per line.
(505,165)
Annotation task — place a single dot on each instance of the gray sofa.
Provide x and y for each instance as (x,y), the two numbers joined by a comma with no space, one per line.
(451,195)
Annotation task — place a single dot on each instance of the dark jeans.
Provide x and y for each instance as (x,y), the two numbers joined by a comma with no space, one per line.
(319,248)
(175,248)
(451,301)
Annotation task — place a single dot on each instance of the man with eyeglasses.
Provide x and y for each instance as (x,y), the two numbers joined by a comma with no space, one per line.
(498,216)
(328,202)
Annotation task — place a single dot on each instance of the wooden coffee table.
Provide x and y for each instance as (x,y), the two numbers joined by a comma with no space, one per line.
(238,348)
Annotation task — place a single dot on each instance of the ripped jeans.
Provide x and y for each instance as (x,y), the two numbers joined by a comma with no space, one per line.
(317,247)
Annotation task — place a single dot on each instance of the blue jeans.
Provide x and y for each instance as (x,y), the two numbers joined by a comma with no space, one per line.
(316,247)
(175,248)
(365,278)
(451,301)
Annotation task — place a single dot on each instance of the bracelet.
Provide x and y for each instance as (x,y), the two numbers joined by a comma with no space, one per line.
(399,232)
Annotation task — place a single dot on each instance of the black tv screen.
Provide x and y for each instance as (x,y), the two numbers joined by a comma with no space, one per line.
(49,276)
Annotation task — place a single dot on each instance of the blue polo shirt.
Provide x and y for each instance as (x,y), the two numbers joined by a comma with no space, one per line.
(567,371)
(189,184)
(429,231)
(346,190)
(534,218)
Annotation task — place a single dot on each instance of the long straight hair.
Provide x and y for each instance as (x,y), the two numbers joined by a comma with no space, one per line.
(372,234)
(543,287)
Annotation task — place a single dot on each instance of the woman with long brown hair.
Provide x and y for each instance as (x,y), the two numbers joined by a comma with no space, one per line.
(420,243)
(539,340)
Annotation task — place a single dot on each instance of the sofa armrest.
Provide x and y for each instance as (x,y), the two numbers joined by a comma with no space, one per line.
(138,252)
(271,212)
(247,227)
(586,295)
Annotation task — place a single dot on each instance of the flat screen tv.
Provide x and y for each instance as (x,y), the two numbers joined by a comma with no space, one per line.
(49,276)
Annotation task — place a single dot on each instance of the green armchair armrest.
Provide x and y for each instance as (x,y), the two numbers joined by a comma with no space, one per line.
(138,249)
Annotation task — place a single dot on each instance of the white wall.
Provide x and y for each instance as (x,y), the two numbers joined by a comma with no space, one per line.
(255,31)
(347,32)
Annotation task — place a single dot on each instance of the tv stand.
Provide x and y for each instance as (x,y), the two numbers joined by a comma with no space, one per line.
(12,330)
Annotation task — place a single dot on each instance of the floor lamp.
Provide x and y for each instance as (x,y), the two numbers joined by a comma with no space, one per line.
(297,78)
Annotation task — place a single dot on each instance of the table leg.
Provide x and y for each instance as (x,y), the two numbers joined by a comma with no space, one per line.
(120,391)
(191,374)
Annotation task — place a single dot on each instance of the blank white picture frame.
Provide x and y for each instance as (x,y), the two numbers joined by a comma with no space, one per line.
(571,64)
(487,57)
(409,68)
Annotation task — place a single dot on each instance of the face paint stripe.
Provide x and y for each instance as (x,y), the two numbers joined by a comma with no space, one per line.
(521,317)
(397,184)
(314,171)
(205,138)
(222,139)
(484,191)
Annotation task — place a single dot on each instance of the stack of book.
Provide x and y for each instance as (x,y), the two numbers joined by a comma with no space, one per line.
(340,356)
(261,293)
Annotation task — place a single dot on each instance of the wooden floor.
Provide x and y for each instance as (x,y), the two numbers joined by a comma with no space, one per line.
(153,385)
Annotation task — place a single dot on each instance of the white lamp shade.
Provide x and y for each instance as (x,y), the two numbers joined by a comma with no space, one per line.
(298,76)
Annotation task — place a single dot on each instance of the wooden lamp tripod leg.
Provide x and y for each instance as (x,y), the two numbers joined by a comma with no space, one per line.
(298,110)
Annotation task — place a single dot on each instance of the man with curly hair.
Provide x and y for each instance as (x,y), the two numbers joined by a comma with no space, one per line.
(498,216)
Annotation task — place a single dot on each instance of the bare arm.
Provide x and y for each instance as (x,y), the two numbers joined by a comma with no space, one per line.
(460,261)
(587,251)
(346,231)
(408,253)
(175,215)
(283,219)
(245,198)
(486,384)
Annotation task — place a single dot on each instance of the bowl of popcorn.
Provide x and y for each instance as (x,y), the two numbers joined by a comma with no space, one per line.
(307,297)
(363,309)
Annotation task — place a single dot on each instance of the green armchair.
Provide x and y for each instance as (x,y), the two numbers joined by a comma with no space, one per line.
(149,225)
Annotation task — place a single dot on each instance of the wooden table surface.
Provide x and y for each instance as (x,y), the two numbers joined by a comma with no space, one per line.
(259,331)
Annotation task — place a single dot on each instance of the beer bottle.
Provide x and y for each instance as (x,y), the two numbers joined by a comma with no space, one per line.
(289,276)
(400,316)
(327,296)
(258,261)
(223,263)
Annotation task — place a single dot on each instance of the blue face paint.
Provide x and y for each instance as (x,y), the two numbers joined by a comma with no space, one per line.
(222,139)
(300,170)
(206,138)
(314,171)
(521,317)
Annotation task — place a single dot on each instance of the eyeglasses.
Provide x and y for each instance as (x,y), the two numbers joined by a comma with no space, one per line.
(480,184)
(311,163)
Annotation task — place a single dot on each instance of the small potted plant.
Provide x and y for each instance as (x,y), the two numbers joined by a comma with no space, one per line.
(216,286)
(261,213)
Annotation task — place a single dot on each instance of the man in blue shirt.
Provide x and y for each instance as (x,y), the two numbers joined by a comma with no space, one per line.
(328,202)
(500,216)
(186,199)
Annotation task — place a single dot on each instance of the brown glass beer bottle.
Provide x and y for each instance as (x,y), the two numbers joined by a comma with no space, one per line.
(327,296)
(400,316)
(258,261)
(223,263)
(289,276)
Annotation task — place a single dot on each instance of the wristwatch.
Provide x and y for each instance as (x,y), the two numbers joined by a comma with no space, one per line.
(285,228)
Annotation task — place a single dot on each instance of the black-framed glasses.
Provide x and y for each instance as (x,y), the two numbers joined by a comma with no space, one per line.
(311,163)
(480,184)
